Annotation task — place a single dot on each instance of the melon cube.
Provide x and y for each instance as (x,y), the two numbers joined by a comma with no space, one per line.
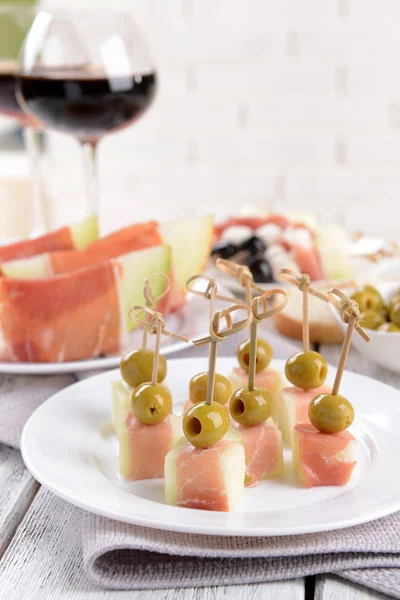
(293,409)
(208,479)
(142,448)
(269,379)
(323,458)
(121,405)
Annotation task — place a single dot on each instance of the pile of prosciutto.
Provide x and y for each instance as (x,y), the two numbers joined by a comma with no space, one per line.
(65,296)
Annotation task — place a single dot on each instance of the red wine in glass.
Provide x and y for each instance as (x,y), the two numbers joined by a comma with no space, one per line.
(87,104)
(8,101)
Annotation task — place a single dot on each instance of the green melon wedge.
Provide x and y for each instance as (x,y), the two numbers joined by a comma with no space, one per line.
(333,248)
(190,240)
(137,266)
(35,267)
(85,232)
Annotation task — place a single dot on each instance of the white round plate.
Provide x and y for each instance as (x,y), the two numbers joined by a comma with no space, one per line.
(191,320)
(68,446)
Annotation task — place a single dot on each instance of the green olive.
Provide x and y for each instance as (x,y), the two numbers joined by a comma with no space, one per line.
(368,299)
(204,424)
(151,404)
(370,319)
(263,356)
(375,297)
(137,367)
(393,300)
(330,414)
(250,407)
(307,370)
(384,313)
(198,388)
(395,314)
(389,327)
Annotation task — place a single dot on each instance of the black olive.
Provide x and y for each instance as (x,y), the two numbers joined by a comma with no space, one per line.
(224,250)
(260,269)
(254,245)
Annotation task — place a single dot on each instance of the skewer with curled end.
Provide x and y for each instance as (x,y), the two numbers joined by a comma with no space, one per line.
(302,282)
(151,299)
(206,287)
(244,277)
(250,405)
(136,365)
(307,369)
(205,423)
(209,293)
(151,401)
(333,413)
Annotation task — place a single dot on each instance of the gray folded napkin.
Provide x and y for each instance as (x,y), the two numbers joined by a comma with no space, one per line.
(121,556)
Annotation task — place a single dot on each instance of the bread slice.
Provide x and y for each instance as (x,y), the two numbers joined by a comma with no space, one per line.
(323,327)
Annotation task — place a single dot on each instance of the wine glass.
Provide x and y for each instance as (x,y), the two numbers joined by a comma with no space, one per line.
(86,73)
(15,21)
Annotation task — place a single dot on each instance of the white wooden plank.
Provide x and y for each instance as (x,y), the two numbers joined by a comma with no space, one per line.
(17,489)
(332,588)
(44,560)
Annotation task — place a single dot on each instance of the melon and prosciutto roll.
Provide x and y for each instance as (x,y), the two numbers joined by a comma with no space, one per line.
(263,449)
(268,379)
(293,409)
(143,448)
(323,458)
(206,478)
(76,315)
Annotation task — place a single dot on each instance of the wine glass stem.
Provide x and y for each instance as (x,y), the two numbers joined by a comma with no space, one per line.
(89,150)
(32,138)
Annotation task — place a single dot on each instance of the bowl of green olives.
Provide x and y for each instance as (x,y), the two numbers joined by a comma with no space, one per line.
(379,305)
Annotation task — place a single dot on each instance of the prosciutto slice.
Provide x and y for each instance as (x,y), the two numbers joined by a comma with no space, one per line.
(146,448)
(123,241)
(263,449)
(65,238)
(206,479)
(322,458)
(76,315)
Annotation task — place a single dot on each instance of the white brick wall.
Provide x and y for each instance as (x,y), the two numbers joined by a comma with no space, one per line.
(295,100)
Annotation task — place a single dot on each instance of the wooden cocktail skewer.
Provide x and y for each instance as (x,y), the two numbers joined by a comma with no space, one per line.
(151,299)
(154,326)
(211,285)
(210,293)
(217,336)
(302,282)
(256,318)
(349,313)
(243,276)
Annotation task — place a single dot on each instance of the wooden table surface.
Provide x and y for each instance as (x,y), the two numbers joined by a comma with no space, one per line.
(41,554)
